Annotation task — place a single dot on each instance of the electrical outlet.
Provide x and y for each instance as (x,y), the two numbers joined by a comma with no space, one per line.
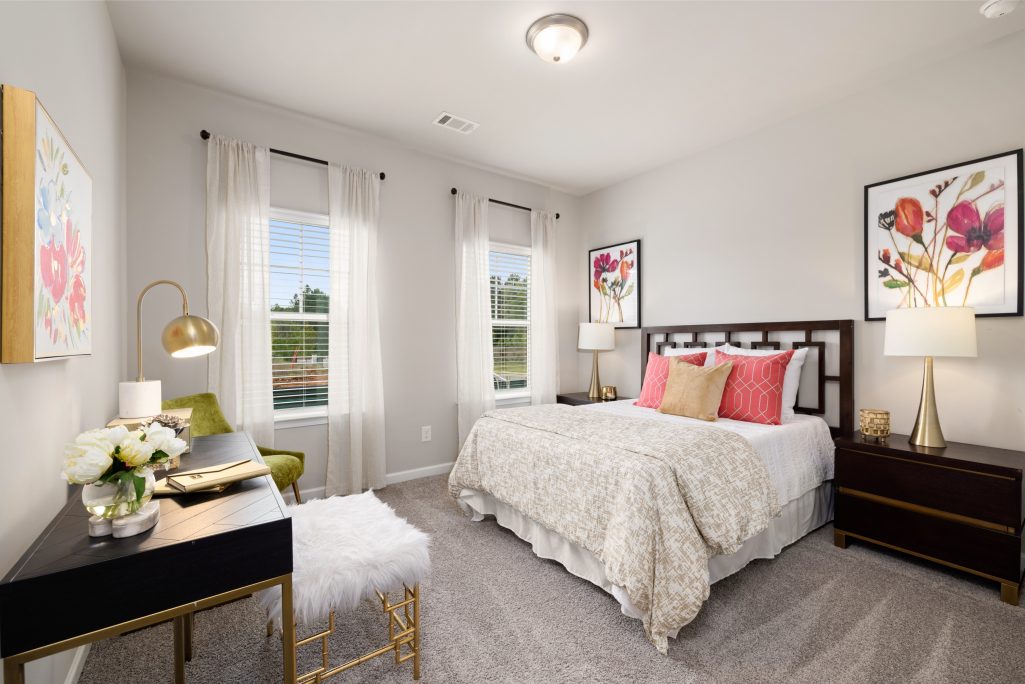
(425,433)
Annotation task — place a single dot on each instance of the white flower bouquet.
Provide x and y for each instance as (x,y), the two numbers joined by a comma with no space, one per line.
(120,463)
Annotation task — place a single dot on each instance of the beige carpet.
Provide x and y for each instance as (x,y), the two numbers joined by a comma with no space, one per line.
(493,612)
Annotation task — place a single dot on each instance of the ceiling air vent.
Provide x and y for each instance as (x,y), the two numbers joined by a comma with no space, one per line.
(455,123)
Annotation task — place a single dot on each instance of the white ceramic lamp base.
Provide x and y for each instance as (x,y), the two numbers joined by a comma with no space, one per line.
(138,399)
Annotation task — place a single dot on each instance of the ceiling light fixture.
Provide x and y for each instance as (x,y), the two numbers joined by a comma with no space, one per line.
(992,9)
(557,38)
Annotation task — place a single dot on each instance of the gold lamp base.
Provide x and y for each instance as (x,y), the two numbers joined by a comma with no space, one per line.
(927,431)
(594,393)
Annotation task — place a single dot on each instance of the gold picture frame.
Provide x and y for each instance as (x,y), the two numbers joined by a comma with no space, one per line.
(46,220)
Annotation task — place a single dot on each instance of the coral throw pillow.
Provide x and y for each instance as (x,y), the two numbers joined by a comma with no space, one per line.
(754,390)
(656,374)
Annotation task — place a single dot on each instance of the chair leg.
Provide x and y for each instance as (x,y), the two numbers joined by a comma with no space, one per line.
(416,633)
(295,490)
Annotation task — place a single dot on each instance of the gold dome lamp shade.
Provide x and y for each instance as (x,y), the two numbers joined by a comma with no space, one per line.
(184,337)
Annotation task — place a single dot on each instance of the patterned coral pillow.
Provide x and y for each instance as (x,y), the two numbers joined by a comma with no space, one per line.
(655,375)
(754,390)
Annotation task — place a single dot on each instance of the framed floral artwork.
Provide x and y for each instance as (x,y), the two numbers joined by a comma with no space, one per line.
(614,286)
(947,237)
(47,237)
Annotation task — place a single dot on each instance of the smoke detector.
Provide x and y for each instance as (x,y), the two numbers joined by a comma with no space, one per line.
(456,123)
(993,9)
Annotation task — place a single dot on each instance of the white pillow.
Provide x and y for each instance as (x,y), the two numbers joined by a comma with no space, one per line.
(684,351)
(791,379)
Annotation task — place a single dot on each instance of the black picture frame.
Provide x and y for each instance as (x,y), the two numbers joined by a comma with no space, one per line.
(638,281)
(870,223)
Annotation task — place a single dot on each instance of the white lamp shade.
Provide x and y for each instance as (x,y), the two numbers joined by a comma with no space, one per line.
(599,336)
(931,331)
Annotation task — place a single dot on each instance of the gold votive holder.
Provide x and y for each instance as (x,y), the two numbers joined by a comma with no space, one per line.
(875,424)
(608,393)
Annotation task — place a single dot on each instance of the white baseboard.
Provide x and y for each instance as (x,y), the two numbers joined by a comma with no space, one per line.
(417,473)
(390,478)
(77,663)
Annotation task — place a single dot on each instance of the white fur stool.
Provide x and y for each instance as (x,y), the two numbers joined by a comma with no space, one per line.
(346,549)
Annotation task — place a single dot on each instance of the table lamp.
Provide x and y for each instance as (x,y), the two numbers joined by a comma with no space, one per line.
(930,331)
(185,336)
(596,337)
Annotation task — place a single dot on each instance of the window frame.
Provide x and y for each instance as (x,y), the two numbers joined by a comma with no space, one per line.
(301,416)
(518,395)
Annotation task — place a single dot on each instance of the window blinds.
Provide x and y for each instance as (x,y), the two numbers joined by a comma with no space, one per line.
(509,275)
(299,286)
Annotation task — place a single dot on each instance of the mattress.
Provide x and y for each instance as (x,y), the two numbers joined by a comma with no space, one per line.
(798,454)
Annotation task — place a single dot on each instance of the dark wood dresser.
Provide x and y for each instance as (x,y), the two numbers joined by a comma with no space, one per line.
(961,506)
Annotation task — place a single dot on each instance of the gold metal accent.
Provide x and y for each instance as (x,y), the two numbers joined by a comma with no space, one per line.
(14,665)
(927,431)
(403,631)
(608,392)
(1003,582)
(926,510)
(594,393)
(184,336)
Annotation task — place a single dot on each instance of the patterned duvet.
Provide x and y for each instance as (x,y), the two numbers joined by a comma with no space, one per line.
(652,500)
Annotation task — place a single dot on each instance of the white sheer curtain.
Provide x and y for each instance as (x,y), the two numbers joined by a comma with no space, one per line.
(355,405)
(237,248)
(475,385)
(544,344)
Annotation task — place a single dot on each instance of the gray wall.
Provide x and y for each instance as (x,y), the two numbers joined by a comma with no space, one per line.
(166,195)
(770,227)
(68,56)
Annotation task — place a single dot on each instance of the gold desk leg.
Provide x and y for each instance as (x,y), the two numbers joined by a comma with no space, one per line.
(179,649)
(14,673)
(1009,593)
(839,539)
(287,631)
(189,625)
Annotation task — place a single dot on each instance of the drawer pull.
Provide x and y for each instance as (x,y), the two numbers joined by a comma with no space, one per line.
(925,510)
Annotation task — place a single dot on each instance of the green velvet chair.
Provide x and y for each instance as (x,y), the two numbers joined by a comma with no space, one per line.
(207,419)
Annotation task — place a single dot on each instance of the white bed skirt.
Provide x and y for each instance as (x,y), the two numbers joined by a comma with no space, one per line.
(799,517)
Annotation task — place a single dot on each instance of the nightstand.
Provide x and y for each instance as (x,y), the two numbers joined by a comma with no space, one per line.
(579,399)
(961,506)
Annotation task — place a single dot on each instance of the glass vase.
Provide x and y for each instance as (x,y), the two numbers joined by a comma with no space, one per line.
(118,499)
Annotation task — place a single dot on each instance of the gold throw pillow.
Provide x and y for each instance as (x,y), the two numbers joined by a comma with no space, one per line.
(695,391)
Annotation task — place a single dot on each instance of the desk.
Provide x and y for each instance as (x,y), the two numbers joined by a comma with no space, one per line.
(70,589)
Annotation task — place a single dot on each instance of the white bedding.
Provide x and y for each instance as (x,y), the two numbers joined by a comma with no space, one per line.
(798,454)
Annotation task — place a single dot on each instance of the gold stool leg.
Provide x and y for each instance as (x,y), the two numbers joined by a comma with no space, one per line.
(190,623)
(416,631)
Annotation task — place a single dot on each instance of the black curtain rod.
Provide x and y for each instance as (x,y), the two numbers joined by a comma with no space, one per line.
(506,204)
(205,135)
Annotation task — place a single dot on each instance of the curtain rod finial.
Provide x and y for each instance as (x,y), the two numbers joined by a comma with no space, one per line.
(204,134)
(556,216)
(454,191)
(382,175)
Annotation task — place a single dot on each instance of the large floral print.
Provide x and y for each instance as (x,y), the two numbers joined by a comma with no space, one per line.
(942,239)
(63,206)
(614,284)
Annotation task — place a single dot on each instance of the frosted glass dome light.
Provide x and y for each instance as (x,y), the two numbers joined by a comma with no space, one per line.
(557,38)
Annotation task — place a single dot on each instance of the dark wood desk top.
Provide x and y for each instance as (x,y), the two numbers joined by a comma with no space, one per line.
(68,583)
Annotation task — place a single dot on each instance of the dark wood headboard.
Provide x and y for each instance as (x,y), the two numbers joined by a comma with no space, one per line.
(819,336)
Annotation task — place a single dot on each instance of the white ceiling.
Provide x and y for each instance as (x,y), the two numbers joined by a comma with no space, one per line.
(655,82)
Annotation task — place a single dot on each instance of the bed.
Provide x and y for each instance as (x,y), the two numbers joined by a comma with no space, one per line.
(655,508)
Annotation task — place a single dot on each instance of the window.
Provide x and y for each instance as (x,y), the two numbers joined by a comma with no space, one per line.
(299,289)
(509,271)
